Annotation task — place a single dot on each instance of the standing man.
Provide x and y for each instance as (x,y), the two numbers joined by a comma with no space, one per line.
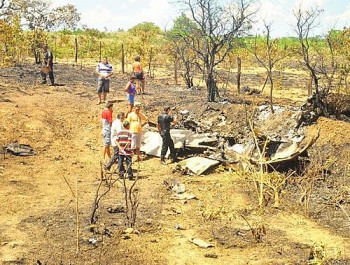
(48,60)
(107,120)
(164,122)
(104,71)
(117,126)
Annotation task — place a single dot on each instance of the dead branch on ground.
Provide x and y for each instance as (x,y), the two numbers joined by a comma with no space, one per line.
(257,232)
(98,196)
(77,221)
(131,198)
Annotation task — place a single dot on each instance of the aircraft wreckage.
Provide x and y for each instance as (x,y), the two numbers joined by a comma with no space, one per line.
(204,150)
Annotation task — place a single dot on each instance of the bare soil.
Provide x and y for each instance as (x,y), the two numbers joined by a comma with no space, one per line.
(62,124)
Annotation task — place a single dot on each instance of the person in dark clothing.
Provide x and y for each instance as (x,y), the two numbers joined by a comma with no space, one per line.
(48,60)
(165,120)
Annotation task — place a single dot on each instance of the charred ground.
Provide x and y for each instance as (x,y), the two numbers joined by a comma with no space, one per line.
(62,124)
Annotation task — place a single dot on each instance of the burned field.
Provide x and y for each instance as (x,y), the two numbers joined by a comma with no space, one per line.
(278,192)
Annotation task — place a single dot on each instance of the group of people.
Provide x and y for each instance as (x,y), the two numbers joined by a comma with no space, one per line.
(124,133)
(135,85)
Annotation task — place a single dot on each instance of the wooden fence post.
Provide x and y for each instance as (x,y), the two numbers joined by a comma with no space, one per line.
(100,51)
(75,49)
(123,59)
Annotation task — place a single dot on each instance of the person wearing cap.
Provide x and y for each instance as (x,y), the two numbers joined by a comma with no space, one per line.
(107,120)
(48,60)
(137,120)
(125,145)
(104,70)
(165,120)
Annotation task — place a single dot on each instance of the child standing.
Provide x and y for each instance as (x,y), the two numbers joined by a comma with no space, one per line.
(130,89)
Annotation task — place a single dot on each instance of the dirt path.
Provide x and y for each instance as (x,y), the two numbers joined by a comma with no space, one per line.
(38,207)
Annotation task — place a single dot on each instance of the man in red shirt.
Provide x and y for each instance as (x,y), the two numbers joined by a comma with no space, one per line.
(107,120)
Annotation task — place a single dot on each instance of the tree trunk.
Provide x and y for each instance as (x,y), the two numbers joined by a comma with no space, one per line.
(55,57)
(239,70)
(309,86)
(271,90)
(266,79)
(211,87)
(175,71)
(314,77)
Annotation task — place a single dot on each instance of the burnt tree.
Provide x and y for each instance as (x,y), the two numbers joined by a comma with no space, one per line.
(268,56)
(306,22)
(217,25)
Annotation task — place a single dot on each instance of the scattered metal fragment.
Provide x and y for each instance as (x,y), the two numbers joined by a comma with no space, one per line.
(179,227)
(200,243)
(92,241)
(118,209)
(19,149)
(196,165)
(185,196)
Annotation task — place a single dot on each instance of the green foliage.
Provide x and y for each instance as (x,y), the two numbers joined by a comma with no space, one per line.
(13,41)
(183,27)
(144,39)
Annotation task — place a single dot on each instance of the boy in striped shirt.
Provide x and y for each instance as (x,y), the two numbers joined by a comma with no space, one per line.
(126,150)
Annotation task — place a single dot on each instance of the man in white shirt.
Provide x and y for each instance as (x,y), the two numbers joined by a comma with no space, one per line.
(104,71)
(117,126)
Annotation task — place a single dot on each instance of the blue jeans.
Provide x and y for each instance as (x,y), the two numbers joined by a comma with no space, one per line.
(128,161)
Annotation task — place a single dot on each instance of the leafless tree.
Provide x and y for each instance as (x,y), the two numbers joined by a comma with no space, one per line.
(218,24)
(306,21)
(181,48)
(327,68)
(269,57)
